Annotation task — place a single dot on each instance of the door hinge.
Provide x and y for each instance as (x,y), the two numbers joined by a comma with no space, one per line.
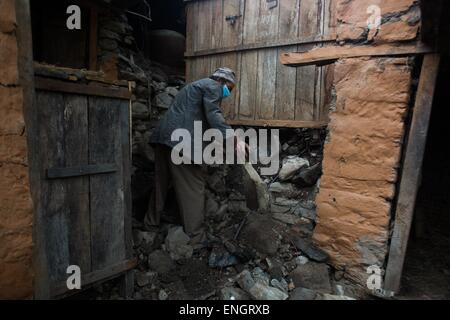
(272,4)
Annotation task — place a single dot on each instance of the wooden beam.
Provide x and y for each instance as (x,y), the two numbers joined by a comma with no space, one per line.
(94,277)
(319,40)
(412,166)
(74,75)
(82,89)
(330,54)
(279,123)
(69,172)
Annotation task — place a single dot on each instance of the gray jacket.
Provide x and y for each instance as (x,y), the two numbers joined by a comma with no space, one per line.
(197,101)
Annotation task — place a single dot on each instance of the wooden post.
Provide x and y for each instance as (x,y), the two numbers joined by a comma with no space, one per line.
(412,166)
(26,74)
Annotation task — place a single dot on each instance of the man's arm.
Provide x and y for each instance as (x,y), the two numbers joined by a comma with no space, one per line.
(214,115)
(211,104)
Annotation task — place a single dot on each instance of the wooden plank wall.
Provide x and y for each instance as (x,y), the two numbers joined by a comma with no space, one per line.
(267,90)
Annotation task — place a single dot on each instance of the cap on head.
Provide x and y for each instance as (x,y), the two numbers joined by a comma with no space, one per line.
(225,73)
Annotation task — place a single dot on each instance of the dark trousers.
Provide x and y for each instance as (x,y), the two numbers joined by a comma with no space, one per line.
(188,181)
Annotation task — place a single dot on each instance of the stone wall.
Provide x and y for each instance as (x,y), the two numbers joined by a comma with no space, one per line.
(363,152)
(15,201)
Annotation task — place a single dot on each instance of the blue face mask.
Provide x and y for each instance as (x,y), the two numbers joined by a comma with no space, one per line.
(226,91)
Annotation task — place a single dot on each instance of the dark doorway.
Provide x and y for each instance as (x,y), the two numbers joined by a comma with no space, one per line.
(426,273)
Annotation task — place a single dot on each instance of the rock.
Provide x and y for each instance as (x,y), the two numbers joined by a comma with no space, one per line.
(314,276)
(134,76)
(146,237)
(280,284)
(262,292)
(162,295)
(308,177)
(160,262)
(177,244)
(105,33)
(277,209)
(172,91)
(216,181)
(237,206)
(222,210)
(162,100)
(301,260)
(211,206)
(159,85)
(307,213)
(258,234)
(231,293)
(286,218)
(291,165)
(108,44)
(255,187)
(339,290)
(259,275)
(293,150)
(220,258)
(326,296)
(129,40)
(287,190)
(311,251)
(338,275)
(245,280)
(145,278)
(116,26)
(289,203)
(257,289)
(142,91)
(276,269)
(302,294)
(140,110)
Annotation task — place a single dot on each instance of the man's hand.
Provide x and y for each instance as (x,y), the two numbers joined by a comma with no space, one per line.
(241,148)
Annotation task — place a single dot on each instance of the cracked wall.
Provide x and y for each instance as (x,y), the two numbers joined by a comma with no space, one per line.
(366,131)
(361,162)
(15,201)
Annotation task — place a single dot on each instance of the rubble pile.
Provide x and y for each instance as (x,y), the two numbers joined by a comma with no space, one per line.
(251,254)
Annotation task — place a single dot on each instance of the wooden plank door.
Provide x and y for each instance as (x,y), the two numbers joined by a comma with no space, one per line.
(84,213)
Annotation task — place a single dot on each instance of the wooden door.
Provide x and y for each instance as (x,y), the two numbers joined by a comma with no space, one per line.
(249,36)
(84,209)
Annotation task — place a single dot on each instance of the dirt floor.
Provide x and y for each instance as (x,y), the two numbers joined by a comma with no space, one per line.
(427,266)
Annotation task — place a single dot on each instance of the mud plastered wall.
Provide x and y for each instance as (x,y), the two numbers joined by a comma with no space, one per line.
(15,201)
(366,131)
